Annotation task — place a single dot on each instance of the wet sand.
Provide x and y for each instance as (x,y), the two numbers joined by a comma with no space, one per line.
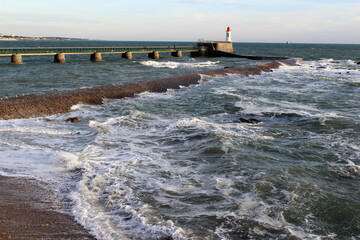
(28,210)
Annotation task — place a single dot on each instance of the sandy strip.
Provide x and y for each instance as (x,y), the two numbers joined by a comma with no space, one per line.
(27,211)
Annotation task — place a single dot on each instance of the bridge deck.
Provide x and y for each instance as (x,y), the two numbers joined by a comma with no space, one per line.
(89,50)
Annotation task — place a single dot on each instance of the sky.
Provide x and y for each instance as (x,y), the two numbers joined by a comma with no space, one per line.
(303,21)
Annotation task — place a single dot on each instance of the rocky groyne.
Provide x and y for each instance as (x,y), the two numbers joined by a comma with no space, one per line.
(39,105)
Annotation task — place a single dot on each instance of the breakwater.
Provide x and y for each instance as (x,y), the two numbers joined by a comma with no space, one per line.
(38,105)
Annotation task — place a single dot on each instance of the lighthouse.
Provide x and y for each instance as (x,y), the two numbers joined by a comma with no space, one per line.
(228,35)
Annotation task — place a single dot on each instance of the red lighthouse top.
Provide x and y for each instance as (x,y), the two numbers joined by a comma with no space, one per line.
(228,29)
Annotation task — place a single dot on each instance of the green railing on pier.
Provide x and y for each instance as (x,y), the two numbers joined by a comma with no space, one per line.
(79,50)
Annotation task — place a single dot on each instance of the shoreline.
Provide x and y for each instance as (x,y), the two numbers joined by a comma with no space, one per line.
(27,211)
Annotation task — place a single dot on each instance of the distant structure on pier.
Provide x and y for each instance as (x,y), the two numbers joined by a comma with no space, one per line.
(213,48)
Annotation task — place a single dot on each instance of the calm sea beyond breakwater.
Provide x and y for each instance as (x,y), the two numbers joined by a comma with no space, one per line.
(270,156)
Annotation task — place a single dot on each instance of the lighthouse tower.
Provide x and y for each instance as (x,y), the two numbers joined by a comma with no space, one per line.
(228,35)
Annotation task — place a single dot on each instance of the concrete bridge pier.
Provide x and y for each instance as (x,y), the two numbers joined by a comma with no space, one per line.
(177,54)
(154,55)
(127,55)
(96,57)
(203,52)
(16,59)
(59,58)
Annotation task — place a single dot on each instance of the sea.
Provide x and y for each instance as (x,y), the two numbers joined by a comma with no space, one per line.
(180,164)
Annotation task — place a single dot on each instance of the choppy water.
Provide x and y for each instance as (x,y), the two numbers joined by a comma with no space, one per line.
(174,165)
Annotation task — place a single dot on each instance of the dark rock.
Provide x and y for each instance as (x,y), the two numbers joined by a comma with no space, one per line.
(281,115)
(250,121)
(167,238)
(358,63)
(72,120)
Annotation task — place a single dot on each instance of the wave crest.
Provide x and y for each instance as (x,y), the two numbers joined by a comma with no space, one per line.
(172,64)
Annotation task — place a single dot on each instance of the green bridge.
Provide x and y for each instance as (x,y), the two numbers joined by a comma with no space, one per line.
(59,52)
(86,50)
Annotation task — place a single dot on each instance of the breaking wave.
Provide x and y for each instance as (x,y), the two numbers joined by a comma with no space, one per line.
(171,64)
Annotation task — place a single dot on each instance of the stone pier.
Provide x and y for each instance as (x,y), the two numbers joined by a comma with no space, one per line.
(177,54)
(127,55)
(154,55)
(211,49)
(59,58)
(16,59)
(96,57)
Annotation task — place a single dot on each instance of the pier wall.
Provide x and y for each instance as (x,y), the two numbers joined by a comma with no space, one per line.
(40,105)
(224,46)
(211,49)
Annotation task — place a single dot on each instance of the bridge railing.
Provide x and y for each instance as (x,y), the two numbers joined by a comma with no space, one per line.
(44,50)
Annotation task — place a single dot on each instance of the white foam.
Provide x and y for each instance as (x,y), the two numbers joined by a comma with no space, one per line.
(346,168)
(67,161)
(106,198)
(252,207)
(351,62)
(79,106)
(25,162)
(35,130)
(169,94)
(227,133)
(39,148)
(138,168)
(124,216)
(341,70)
(171,64)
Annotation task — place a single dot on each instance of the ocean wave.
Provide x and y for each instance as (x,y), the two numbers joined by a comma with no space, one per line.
(346,168)
(254,212)
(118,167)
(67,161)
(171,64)
(228,133)
(341,70)
(36,130)
(135,170)
(107,200)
